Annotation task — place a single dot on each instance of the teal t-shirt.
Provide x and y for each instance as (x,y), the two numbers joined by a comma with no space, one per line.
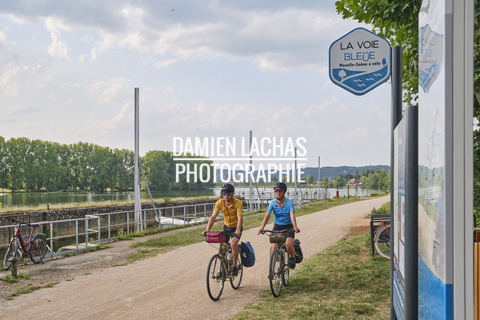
(281,214)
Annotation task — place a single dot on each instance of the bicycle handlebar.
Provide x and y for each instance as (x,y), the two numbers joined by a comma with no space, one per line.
(277,231)
(24,223)
(226,234)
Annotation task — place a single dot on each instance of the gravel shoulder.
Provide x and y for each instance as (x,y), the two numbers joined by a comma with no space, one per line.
(171,285)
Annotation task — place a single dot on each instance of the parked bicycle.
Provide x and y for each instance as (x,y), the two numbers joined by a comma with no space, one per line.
(381,239)
(220,266)
(34,245)
(278,271)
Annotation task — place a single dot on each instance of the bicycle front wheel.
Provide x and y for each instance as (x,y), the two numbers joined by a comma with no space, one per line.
(236,280)
(286,269)
(14,259)
(382,241)
(276,273)
(216,275)
(8,255)
(38,248)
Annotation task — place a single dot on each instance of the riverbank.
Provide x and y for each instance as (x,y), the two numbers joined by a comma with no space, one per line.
(28,201)
(107,203)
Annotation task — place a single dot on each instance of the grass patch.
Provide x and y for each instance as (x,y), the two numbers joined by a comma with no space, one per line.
(28,289)
(10,279)
(342,282)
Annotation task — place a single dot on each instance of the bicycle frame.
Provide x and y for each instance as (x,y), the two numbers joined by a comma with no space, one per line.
(223,251)
(23,245)
(223,254)
(383,223)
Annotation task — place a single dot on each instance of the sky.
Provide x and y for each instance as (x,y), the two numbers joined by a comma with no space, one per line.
(206,70)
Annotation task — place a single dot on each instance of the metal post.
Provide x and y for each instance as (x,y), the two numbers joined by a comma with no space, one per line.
(184,215)
(138,206)
(319,197)
(86,231)
(396,117)
(411,215)
(250,196)
(76,235)
(295,179)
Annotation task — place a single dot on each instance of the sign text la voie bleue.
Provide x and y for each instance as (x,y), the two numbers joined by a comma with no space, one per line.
(360,55)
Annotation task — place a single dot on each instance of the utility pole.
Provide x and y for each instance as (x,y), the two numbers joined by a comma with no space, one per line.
(319,195)
(138,205)
(250,195)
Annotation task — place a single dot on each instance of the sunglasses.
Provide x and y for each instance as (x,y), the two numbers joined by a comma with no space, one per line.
(227,193)
(279,190)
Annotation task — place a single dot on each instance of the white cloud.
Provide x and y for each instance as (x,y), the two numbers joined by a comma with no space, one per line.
(210,68)
(164,63)
(57,48)
(15,76)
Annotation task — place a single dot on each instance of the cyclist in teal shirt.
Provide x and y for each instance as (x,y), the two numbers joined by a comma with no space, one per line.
(283,219)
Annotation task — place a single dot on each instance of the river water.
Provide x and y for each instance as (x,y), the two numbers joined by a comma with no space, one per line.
(9,200)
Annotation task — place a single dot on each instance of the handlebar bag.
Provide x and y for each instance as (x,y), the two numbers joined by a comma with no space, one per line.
(215,237)
(277,237)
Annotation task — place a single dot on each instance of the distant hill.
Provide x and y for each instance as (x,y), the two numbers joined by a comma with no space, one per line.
(333,172)
(330,172)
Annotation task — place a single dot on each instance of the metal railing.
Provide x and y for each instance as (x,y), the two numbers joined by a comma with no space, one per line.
(79,234)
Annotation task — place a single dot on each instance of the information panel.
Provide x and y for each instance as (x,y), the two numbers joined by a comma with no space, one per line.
(435,263)
(399,153)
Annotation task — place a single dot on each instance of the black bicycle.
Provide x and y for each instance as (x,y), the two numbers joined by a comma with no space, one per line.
(278,272)
(220,266)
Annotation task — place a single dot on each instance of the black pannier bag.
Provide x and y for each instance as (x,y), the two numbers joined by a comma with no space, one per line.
(298,251)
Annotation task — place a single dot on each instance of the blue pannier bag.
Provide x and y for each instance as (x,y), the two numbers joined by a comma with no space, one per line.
(247,254)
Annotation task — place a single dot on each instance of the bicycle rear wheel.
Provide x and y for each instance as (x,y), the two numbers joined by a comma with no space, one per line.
(216,275)
(286,269)
(38,248)
(236,280)
(276,273)
(382,241)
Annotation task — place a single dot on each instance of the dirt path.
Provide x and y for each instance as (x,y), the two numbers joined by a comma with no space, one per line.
(169,286)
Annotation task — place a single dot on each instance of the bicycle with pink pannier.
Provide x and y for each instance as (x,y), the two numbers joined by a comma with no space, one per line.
(220,265)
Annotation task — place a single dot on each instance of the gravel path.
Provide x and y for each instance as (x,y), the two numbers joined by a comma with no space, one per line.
(98,285)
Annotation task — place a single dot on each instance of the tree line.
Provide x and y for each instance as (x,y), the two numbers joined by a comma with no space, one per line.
(36,165)
(373,179)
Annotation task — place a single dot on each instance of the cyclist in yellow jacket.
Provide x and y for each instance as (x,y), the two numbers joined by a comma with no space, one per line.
(232,211)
